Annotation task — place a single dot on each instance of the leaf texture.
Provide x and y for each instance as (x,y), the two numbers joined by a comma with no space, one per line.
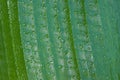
(59,40)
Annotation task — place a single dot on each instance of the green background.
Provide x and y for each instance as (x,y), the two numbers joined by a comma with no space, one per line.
(59,39)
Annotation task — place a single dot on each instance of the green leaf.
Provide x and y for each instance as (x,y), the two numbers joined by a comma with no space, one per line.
(59,40)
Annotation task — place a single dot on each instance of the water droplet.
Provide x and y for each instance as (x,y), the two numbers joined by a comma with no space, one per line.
(35,48)
(60,66)
(81,47)
(88,48)
(69,62)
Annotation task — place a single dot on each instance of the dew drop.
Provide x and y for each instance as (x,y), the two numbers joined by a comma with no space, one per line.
(60,66)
